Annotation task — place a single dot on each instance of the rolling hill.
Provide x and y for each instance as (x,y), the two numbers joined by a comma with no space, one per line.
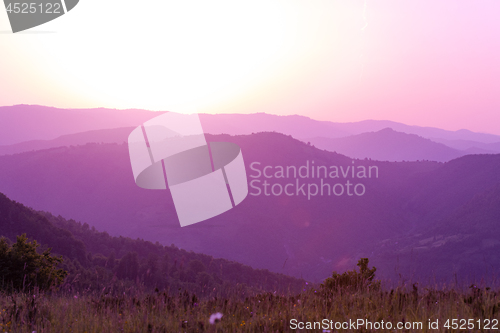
(286,234)
(96,261)
(465,243)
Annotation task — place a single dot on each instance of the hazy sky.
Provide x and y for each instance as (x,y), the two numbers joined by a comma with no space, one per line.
(421,62)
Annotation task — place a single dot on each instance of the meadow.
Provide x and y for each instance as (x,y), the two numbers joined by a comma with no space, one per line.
(160,311)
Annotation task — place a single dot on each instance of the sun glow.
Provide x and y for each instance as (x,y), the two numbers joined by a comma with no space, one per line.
(182,56)
(341,60)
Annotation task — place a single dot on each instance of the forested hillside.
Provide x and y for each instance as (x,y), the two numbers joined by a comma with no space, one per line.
(97,261)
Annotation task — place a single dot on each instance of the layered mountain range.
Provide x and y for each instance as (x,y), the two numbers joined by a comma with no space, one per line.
(415,200)
(412,219)
(21,130)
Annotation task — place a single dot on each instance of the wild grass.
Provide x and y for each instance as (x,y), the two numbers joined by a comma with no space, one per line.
(137,311)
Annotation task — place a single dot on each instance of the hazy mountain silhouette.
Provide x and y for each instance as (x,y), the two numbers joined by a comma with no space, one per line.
(303,127)
(384,145)
(113,135)
(381,145)
(471,146)
(295,125)
(21,123)
(287,234)
(388,145)
(426,132)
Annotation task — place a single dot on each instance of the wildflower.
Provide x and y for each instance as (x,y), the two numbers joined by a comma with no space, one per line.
(215,318)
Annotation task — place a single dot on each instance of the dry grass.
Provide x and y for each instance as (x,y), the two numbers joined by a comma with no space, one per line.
(183,312)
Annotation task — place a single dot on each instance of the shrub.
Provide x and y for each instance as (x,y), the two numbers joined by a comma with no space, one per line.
(23,268)
(353,280)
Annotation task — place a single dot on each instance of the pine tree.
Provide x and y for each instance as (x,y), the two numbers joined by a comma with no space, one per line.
(23,268)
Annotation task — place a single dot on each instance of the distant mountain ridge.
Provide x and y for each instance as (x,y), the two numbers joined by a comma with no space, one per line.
(423,131)
(388,145)
(351,139)
(468,145)
(113,135)
(21,123)
(302,127)
(384,145)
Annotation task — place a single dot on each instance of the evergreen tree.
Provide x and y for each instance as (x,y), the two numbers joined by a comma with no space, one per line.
(23,268)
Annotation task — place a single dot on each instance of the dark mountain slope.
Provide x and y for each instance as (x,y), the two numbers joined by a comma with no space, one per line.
(289,234)
(15,219)
(95,259)
(465,245)
(94,184)
(440,192)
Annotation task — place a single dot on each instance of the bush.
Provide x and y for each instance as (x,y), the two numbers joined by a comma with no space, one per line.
(353,280)
(23,268)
